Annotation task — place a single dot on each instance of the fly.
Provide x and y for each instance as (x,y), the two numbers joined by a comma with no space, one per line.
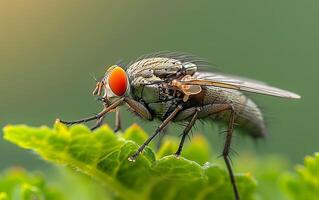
(174,88)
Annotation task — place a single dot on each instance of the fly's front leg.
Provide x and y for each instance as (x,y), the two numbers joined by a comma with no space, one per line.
(158,130)
(186,131)
(97,116)
(139,108)
(118,124)
(99,123)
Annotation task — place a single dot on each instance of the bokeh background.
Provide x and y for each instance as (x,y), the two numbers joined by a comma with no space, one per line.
(48,49)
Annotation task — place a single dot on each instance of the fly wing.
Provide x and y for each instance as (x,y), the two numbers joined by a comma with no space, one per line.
(237,83)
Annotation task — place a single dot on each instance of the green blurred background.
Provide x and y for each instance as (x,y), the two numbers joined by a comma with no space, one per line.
(49,48)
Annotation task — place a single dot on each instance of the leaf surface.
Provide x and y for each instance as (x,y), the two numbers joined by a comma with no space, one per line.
(103,155)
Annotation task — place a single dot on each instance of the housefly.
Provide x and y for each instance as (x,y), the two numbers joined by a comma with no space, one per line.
(174,88)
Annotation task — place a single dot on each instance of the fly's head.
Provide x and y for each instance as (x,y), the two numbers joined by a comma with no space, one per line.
(113,85)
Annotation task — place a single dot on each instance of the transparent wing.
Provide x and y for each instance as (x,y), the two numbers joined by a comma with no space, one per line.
(237,83)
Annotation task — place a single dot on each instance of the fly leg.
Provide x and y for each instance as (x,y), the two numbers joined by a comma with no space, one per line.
(118,124)
(215,109)
(226,152)
(99,123)
(186,131)
(158,130)
(97,116)
(139,108)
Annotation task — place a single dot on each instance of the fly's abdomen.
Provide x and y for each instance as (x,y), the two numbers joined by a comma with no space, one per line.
(249,117)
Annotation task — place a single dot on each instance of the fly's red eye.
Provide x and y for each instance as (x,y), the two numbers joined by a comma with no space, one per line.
(118,81)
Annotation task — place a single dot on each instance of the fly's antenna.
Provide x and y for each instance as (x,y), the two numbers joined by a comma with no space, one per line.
(99,84)
(94,77)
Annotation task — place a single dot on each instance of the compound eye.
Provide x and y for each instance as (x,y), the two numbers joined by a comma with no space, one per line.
(118,81)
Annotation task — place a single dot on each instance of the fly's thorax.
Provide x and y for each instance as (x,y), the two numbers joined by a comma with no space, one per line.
(146,93)
(159,67)
(155,97)
(162,108)
(146,76)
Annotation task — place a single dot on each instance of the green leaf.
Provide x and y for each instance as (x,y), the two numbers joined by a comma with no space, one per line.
(198,150)
(68,180)
(16,184)
(3,196)
(304,182)
(104,156)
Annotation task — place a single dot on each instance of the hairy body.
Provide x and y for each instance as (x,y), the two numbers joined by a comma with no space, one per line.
(149,78)
(173,87)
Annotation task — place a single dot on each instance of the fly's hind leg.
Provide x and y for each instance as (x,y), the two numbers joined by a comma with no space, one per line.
(215,109)
(226,152)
